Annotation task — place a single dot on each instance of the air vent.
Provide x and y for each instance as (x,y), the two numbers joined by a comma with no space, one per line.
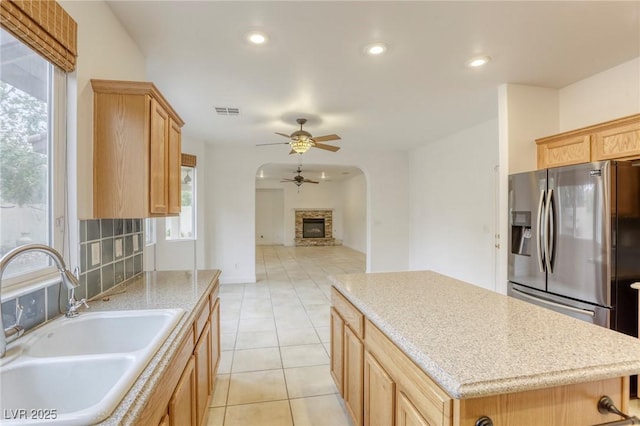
(227,111)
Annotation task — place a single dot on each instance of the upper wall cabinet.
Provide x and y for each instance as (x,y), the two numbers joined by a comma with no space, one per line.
(617,139)
(136,151)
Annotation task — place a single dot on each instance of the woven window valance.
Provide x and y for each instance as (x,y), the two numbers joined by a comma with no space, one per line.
(45,26)
(188,160)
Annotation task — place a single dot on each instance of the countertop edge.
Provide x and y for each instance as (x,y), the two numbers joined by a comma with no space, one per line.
(133,403)
(484,388)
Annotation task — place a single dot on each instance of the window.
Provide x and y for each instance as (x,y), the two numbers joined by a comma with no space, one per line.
(183,227)
(31,155)
(149,231)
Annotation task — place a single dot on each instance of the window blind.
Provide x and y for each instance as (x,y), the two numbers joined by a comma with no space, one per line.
(44,26)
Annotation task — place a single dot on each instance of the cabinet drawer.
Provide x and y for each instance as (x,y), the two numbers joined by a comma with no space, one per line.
(352,316)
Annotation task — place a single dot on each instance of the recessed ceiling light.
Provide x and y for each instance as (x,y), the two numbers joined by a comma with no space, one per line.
(257,37)
(478,61)
(375,49)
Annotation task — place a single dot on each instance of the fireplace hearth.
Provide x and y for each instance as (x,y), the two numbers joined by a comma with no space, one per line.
(314,227)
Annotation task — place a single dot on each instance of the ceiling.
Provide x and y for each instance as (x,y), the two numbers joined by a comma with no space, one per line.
(314,65)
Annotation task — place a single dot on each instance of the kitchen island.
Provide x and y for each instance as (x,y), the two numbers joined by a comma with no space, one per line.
(423,348)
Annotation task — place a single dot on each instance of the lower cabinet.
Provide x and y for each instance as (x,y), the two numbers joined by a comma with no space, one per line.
(407,414)
(182,406)
(215,342)
(337,346)
(202,355)
(379,393)
(183,392)
(353,358)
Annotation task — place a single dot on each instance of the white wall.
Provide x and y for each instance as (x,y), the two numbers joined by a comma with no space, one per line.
(347,198)
(270,216)
(230,205)
(608,95)
(452,204)
(105,51)
(354,220)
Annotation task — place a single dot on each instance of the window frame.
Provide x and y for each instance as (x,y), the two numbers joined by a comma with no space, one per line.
(194,210)
(57,105)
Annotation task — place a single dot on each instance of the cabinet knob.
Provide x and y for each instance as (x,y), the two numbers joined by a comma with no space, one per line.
(484,421)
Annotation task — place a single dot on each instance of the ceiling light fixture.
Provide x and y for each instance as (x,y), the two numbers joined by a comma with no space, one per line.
(301,144)
(375,49)
(478,61)
(257,37)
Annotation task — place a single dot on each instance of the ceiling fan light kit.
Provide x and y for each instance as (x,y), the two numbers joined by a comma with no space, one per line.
(301,140)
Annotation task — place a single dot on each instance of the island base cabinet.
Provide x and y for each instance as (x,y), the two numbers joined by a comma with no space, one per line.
(407,414)
(353,386)
(575,404)
(379,394)
(337,334)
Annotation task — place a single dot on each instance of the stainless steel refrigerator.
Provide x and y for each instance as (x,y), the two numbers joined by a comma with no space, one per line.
(574,239)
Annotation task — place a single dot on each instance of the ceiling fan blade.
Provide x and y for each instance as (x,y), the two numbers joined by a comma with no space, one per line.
(310,181)
(327,147)
(283,134)
(275,143)
(327,138)
(287,180)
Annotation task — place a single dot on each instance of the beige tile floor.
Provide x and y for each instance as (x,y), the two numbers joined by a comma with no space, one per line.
(274,368)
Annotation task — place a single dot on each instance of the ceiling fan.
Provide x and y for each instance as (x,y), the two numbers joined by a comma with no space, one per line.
(299,179)
(301,140)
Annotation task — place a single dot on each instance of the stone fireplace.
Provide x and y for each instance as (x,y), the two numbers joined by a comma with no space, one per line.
(314,228)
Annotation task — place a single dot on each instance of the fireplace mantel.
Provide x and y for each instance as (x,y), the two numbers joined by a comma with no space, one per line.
(327,215)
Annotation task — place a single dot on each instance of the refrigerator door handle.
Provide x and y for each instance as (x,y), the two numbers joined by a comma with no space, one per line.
(539,235)
(555,304)
(548,230)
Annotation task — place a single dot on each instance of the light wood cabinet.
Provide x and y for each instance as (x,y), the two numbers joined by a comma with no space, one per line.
(337,348)
(395,391)
(202,353)
(379,394)
(215,342)
(184,390)
(407,414)
(165,420)
(347,354)
(616,139)
(353,384)
(182,406)
(136,151)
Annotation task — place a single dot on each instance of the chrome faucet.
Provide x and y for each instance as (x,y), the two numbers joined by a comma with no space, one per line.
(68,279)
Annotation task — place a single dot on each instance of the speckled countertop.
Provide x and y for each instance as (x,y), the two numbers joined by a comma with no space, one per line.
(475,342)
(156,290)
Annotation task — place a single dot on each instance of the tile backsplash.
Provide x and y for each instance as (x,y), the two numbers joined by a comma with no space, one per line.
(110,253)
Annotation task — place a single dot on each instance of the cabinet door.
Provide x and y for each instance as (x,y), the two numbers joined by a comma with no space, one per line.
(407,414)
(158,154)
(618,142)
(353,365)
(165,420)
(202,353)
(337,336)
(182,406)
(379,394)
(215,343)
(174,165)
